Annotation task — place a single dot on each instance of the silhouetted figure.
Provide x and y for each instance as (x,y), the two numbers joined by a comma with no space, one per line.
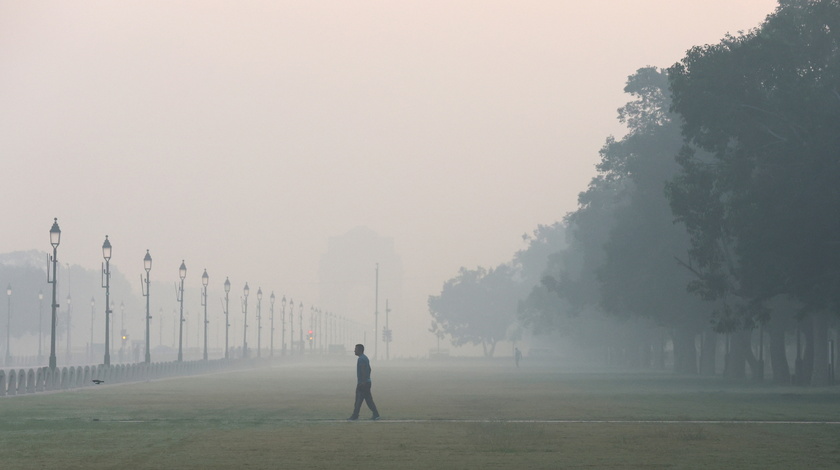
(363,384)
(517,355)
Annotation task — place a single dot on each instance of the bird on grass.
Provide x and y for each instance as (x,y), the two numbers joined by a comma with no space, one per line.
(97,381)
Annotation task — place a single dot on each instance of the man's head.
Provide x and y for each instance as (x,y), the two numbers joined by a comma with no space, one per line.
(360,349)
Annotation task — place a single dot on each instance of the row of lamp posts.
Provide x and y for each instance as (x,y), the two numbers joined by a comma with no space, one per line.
(55,240)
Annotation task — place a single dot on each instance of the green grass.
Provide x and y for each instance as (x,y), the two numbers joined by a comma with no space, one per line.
(436,415)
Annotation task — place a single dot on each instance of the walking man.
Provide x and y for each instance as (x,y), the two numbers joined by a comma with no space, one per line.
(363,385)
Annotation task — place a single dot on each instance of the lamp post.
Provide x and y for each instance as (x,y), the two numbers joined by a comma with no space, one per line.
(123,336)
(92,315)
(312,329)
(227,316)
(182,273)
(205,279)
(300,323)
(8,325)
(246,290)
(68,358)
(283,321)
(259,322)
(147,266)
(271,314)
(291,326)
(40,325)
(106,273)
(113,323)
(55,239)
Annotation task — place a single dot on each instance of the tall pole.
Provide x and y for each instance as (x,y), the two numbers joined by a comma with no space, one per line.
(40,325)
(92,318)
(246,291)
(271,315)
(283,322)
(376,317)
(182,273)
(55,238)
(259,321)
(205,279)
(68,359)
(147,266)
(300,322)
(106,273)
(8,326)
(227,316)
(291,326)
(388,333)
(122,331)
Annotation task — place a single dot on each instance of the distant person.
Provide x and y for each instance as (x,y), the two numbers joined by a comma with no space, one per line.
(363,384)
(517,355)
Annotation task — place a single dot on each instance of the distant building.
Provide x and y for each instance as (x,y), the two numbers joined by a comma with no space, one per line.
(347,274)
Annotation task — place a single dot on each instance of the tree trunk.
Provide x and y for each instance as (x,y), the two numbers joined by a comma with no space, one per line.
(708,348)
(685,351)
(739,345)
(488,352)
(819,372)
(778,355)
(660,350)
(807,367)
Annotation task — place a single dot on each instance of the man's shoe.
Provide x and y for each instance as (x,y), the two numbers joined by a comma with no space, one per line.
(352,418)
(375,418)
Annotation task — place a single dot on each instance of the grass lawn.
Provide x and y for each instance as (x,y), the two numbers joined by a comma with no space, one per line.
(458,414)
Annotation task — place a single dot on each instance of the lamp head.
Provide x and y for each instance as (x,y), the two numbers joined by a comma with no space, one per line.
(227,285)
(106,249)
(205,278)
(182,271)
(55,234)
(147,262)
(247,290)
(259,293)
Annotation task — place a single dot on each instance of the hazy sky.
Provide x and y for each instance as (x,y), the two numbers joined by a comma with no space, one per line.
(241,135)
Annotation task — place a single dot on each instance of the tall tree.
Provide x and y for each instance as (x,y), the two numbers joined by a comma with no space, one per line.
(762,213)
(477,306)
(640,275)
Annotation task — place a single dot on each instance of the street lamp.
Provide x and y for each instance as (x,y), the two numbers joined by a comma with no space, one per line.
(68,329)
(182,273)
(259,321)
(147,266)
(123,336)
(8,325)
(92,315)
(227,317)
(291,326)
(55,239)
(300,323)
(283,321)
(40,324)
(205,279)
(247,291)
(106,273)
(271,349)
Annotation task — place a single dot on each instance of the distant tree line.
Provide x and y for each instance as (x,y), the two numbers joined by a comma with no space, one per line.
(713,224)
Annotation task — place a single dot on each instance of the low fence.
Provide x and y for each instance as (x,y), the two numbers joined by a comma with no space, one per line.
(23,381)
